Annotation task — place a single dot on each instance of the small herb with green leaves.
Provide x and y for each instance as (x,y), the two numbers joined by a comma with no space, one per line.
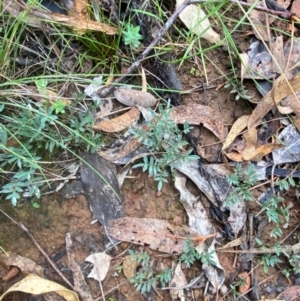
(190,254)
(242,187)
(39,131)
(239,89)
(269,260)
(163,133)
(146,278)
(132,36)
(276,213)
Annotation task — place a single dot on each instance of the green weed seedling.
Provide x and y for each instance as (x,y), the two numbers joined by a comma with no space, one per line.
(238,89)
(163,133)
(241,187)
(146,278)
(190,255)
(132,36)
(40,130)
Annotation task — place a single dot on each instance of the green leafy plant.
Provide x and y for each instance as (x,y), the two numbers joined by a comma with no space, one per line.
(163,133)
(190,254)
(276,213)
(146,278)
(242,181)
(38,130)
(238,89)
(132,36)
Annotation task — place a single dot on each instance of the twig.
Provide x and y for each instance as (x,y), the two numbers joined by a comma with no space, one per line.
(55,267)
(103,92)
(284,249)
(282,13)
(52,263)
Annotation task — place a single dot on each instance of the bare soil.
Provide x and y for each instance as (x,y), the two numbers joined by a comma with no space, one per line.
(57,216)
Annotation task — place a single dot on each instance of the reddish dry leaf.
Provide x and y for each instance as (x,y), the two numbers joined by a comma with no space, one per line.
(246,282)
(80,285)
(47,97)
(296,7)
(290,294)
(236,157)
(196,114)
(125,150)
(81,25)
(13,272)
(119,123)
(280,90)
(158,234)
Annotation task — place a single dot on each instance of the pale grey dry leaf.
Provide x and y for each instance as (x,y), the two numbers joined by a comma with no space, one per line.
(80,284)
(199,222)
(216,187)
(196,21)
(291,152)
(134,98)
(101,262)
(178,281)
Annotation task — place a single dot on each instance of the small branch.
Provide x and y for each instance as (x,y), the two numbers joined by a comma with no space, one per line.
(51,262)
(281,12)
(284,249)
(103,92)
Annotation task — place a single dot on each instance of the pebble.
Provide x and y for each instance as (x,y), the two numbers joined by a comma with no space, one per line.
(223,290)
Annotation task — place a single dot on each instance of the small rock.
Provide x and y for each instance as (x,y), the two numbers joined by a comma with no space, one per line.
(223,290)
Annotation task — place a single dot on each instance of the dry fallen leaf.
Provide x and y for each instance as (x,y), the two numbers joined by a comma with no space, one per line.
(80,285)
(280,90)
(129,267)
(158,234)
(239,125)
(259,20)
(196,21)
(133,98)
(101,262)
(119,123)
(26,265)
(35,285)
(178,281)
(246,282)
(195,114)
(290,294)
(256,154)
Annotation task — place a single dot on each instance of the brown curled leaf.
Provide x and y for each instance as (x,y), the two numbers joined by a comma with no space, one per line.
(195,114)
(133,98)
(119,123)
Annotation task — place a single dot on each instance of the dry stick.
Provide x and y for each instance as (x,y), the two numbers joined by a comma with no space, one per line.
(283,14)
(52,263)
(55,267)
(283,249)
(103,92)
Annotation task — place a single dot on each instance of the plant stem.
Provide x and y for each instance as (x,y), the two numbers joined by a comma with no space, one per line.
(103,92)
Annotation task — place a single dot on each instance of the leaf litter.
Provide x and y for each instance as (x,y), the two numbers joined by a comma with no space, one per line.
(243,143)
